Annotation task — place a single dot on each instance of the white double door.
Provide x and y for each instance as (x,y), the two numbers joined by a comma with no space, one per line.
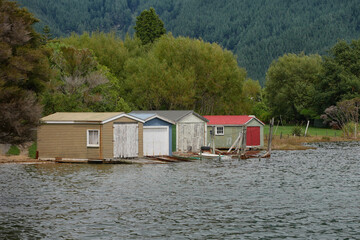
(156,140)
(126,140)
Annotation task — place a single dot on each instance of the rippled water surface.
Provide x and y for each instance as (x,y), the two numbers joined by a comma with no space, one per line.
(296,194)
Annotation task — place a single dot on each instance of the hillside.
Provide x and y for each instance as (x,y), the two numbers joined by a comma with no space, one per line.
(256,31)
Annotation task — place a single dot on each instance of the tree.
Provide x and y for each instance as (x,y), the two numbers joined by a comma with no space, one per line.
(81,83)
(340,79)
(290,85)
(24,69)
(149,26)
(183,73)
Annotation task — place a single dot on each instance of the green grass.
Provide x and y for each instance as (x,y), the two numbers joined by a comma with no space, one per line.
(14,150)
(32,150)
(287,130)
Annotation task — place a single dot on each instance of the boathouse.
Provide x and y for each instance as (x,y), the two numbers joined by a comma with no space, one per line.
(157,134)
(225,130)
(189,131)
(90,135)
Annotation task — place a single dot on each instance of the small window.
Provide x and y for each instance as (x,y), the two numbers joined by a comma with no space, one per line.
(93,138)
(219,130)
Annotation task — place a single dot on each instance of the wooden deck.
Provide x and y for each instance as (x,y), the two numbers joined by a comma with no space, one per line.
(144,160)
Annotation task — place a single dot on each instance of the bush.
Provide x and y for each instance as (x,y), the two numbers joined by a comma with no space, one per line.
(14,150)
(325,139)
(296,130)
(32,150)
(349,129)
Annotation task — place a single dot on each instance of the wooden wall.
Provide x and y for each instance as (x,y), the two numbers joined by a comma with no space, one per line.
(66,141)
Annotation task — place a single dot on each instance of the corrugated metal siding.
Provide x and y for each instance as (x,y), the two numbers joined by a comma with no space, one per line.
(66,141)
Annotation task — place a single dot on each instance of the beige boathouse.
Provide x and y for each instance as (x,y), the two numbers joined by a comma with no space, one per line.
(90,135)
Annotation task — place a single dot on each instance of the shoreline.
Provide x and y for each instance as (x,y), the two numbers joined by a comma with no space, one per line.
(297,143)
(284,144)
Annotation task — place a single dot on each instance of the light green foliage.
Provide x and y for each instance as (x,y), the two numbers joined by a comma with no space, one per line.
(340,79)
(290,85)
(181,73)
(251,95)
(149,26)
(81,83)
(349,129)
(14,150)
(110,50)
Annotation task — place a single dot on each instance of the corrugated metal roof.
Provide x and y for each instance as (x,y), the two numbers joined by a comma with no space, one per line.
(229,119)
(81,116)
(142,116)
(173,115)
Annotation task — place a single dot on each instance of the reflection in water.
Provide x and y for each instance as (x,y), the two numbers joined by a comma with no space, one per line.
(295,194)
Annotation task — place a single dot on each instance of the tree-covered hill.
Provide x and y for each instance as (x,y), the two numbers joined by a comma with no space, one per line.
(256,31)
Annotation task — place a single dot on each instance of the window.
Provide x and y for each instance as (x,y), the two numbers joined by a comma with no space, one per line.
(219,130)
(93,138)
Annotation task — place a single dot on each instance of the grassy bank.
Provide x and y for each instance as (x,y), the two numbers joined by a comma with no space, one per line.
(284,140)
(287,130)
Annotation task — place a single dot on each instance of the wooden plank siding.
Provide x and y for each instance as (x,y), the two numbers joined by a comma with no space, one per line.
(66,141)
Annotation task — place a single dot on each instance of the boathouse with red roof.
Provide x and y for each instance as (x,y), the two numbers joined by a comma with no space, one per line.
(226,129)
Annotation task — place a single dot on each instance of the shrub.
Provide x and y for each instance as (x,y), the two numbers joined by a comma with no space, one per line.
(325,139)
(349,129)
(296,130)
(14,150)
(32,150)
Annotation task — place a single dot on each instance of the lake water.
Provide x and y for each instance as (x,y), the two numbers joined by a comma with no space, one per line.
(313,194)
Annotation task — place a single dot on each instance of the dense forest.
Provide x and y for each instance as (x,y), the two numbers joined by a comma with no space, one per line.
(153,69)
(257,32)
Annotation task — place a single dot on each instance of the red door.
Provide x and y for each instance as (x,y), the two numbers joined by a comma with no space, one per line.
(253,136)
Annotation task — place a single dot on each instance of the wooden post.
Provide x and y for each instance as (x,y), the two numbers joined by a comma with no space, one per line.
(243,143)
(307,126)
(213,139)
(268,153)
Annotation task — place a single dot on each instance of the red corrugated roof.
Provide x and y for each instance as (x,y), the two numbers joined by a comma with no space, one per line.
(229,119)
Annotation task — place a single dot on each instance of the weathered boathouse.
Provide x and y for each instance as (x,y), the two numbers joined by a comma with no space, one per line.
(189,131)
(90,135)
(157,134)
(225,129)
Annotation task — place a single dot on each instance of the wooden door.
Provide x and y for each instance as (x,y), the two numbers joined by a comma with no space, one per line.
(253,136)
(126,140)
(191,136)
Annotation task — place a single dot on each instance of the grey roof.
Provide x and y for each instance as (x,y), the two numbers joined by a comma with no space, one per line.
(174,115)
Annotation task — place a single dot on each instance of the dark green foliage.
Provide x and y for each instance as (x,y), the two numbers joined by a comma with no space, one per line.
(32,150)
(24,69)
(149,26)
(340,79)
(290,86)
(256,31)
(14,150)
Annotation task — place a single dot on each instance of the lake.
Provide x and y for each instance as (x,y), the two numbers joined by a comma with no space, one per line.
(294,194)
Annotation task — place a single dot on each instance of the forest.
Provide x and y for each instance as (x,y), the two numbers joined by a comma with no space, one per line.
(257,32)
(153,69)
